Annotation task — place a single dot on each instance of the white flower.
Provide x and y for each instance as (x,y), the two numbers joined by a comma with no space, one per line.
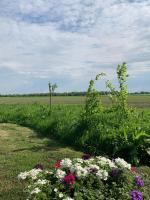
(66,163)
(35,191)
(102,174)
(79,170)
(89,161)
(75,167)
(93,167)
(102,161)
(34,172)
(60,174)
(55,190)
(122,163)
(61,195)
(23,175)
(42,182)
(68,198)
(48,172)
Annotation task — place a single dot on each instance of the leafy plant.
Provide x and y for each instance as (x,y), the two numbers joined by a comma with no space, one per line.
(115,130)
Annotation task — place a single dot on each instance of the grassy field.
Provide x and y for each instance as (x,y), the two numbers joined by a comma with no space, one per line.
(142,101)
(21,150)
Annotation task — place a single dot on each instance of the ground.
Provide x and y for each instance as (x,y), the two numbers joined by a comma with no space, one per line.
(20,150)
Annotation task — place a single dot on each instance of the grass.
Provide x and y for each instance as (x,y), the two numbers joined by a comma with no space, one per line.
(134,100)
(20,150)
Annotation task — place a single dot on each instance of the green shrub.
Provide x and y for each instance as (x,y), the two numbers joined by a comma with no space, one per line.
(114,131)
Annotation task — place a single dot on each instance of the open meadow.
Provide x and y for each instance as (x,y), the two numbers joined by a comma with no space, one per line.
(142,101)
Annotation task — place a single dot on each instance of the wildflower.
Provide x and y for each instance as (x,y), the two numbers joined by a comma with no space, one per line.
(60,174)
(33,173)
(138,181)
(55,190)
(86,156)
(61,195)
(93,170)
(133,169)
(136,195)
(39,166)
(23,175)
(66,163)
(79,170)
(57,164)
(122,163)
(42,182)
(102,174)
(69,179)
(35,191)
(105,161)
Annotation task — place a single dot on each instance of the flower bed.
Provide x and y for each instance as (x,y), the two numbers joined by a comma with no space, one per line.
(86,178)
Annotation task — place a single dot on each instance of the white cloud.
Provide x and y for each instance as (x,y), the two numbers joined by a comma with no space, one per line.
(73,39)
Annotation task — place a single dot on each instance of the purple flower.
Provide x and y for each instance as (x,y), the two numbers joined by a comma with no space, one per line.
(39,166)
(93,170)
(138,181)
(136,195)
(86,156)
(115,173)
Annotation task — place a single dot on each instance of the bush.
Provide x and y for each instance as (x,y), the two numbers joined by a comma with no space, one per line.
(86,178)
(114,131)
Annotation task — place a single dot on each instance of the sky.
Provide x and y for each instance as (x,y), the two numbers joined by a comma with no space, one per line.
(69,41)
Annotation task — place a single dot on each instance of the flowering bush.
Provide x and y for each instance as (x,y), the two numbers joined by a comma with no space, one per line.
(86,178)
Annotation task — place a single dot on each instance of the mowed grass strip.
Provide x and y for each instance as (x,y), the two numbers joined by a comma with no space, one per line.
(134,100)
(20,150)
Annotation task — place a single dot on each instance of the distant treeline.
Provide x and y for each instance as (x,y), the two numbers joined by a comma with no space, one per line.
(65,94)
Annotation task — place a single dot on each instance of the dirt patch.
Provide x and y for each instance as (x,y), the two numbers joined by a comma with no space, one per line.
(4,133)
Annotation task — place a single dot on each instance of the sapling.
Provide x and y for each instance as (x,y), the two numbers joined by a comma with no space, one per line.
(52,88)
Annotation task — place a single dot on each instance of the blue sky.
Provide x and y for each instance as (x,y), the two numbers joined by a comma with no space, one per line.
(69,41)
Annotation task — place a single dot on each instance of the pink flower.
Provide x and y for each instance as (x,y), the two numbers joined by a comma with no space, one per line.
(69,179)
(133,169)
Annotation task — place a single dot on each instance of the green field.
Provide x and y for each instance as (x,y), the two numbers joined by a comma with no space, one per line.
(142,101)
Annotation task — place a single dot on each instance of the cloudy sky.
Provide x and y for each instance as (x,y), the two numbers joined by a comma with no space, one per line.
(69,41)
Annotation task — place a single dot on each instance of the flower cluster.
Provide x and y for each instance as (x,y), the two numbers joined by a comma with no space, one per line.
(30,174)
(138,181)
(122,163)
(70,178)
(136,195)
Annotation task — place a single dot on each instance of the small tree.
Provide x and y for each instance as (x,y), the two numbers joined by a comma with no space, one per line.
(52,88)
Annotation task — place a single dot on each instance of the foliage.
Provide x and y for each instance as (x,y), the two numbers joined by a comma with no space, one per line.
(114,131)
(86,178)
